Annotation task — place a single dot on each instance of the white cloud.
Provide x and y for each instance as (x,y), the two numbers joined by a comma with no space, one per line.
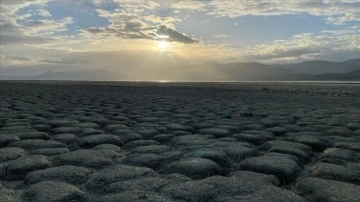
(43,13)
(45,26)
(308,46)
(336,11)
(223,36)
(21,28)
(128,22)
(21,2)
(10,7)
(190,5)
(167,21)
(136,7)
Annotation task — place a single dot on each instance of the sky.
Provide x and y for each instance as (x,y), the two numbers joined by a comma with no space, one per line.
(137,35)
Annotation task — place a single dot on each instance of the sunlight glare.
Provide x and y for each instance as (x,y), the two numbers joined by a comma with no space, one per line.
(163,45)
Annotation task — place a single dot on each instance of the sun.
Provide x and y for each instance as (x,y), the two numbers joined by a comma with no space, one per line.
(163,45)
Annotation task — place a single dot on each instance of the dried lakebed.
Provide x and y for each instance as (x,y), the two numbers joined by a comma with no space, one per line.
(87,141)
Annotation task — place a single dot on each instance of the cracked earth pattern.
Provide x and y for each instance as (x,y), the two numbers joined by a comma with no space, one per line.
(107,141)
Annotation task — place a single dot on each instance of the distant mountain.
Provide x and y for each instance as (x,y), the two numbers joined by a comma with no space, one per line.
(257,71)
(350,76)
(97,75)
(304,71)
(323,67)
(353,62)
(261,72)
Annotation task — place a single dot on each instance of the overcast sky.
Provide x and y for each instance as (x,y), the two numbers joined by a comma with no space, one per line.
(125,35)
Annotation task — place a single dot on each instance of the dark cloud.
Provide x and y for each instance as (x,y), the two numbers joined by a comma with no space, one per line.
(281,53)
(95,30)
(12,34)
(23,39)
(8,28)
(34,23)
(53,61)
(16,58)
(175,35)
(11,59)
(131,25)
(99,30)
(136,30)
(134,35)
(63,61)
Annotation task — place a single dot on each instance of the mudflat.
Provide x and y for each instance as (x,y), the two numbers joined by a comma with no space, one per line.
(134,141)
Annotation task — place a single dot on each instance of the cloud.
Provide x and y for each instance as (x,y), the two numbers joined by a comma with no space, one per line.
(136,6)
(10,7)
(131,26)
(336,11)
(135,30)
(45,26)
(21,2)
(21,29)
(194,5)
(166,21)
(12,34)
(223,36)
(308,46)
(43,13)
(8,28)
(6,39)
(12,59)
(34,32)
(174,35)
(279,53)
(66,61)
